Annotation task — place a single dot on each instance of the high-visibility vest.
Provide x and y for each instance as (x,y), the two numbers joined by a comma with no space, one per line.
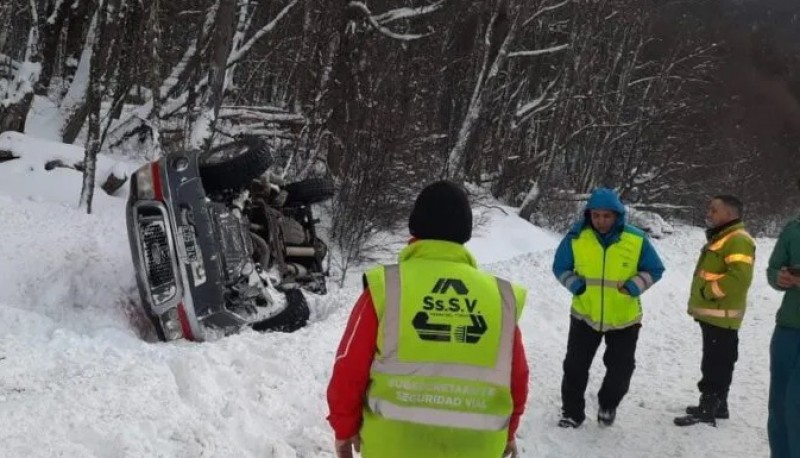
(440,381)
(727,259)
(603,306)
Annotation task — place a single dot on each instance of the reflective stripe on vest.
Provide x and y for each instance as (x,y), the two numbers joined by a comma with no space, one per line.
(436,417)
(739,258)
(709,276)
(606,326)
(389,364)
(716,246)
(717,313)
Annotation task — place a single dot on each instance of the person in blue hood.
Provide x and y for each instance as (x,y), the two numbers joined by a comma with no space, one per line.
(607,265)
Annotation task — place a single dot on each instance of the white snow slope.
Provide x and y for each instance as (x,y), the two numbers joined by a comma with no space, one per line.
(77,379)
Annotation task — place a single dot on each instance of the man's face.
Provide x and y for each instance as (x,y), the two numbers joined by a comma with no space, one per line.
(719,213)
(603,220)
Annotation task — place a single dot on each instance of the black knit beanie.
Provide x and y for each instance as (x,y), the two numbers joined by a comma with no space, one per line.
(442,212)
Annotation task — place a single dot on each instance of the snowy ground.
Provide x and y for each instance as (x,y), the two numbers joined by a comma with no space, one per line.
(77,379)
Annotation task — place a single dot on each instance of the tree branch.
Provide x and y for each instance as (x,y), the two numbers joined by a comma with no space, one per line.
(237,54)
(539,52)
(537,102)
(544,10)
(407,13)
(360,6)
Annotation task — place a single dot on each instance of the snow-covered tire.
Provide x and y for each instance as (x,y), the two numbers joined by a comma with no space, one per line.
(293,232)
(292,318)
(238,170)
(310,191)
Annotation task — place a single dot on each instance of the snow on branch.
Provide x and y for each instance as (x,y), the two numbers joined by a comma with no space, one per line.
(380,28)
(191,52)
(33,34)
(261,108)
(538,103)
(177,103)
(257,114)
(407,13)
(544,10)
(539,52)
(239,53)
(55,11)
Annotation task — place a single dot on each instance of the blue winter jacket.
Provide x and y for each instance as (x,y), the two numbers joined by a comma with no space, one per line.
(564,262)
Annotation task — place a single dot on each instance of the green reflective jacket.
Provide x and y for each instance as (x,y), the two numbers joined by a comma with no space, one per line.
(722,277)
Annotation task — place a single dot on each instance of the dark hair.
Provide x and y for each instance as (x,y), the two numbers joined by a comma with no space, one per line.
(732,202)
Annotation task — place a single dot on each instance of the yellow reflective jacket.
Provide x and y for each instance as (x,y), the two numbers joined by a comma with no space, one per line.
(722,278)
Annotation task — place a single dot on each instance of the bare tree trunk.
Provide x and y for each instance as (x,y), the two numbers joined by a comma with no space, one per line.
(76,119)
(154,77)
(494,57)
(90,161)
(104,60)
(17,103)
(76,105)
(53,27)
(79,19)
(202,132)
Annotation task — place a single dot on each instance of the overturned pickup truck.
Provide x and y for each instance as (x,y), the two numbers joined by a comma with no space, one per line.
(220,243)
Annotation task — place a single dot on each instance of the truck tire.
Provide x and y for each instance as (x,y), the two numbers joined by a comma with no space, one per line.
(292,318)
(310,191)
(238,170)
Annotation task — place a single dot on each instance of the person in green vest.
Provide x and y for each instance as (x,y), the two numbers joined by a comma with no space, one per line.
(606,264)
(431,363)
(717,301)
(783,274)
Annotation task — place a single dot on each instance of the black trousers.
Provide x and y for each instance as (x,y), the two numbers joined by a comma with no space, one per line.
(720,352)
(619,359)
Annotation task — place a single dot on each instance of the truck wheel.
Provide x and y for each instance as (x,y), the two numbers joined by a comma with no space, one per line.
(310,191)
(292,318)
(235,165)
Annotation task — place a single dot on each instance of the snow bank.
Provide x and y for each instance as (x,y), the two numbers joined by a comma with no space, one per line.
(502,235)
(28,178)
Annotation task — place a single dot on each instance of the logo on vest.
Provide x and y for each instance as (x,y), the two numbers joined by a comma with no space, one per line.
(447,310)
(444,284)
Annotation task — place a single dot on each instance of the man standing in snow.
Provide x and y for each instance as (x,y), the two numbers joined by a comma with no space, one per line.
(717,301)
(431,364)
(783,274)
(606,265)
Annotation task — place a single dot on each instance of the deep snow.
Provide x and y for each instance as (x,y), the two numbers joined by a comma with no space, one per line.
(81,377)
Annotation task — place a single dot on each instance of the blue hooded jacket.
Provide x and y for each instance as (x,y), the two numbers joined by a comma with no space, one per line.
(564,262)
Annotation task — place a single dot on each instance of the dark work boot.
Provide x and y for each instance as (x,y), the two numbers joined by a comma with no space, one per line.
(721,414)
(707,410)
(605,417)
(567,422)
(571,419)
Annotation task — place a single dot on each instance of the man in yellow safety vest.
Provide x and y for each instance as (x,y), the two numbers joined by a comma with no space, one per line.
(431,364)
(606,265)
(717,301)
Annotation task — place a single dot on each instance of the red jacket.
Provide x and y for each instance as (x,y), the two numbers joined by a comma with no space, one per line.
(348,385)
